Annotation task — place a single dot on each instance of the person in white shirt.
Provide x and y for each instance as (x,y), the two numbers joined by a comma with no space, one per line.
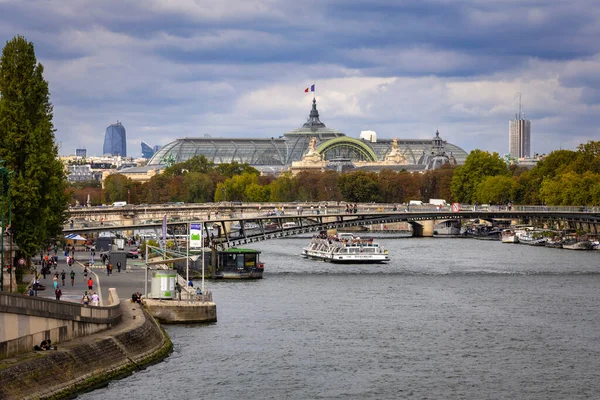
(95,299)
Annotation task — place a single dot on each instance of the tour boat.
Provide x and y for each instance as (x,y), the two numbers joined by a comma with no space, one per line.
(508,236)
(237,263)
(448,228)
(345,248)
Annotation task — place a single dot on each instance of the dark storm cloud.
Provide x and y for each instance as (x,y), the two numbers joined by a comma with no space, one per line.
(180,68)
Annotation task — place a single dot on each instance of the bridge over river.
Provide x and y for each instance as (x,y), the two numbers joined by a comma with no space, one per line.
(239,225)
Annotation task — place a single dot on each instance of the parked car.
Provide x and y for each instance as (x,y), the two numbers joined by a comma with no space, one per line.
(133,254)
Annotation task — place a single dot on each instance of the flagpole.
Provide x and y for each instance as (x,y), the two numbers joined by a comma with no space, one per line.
(202,253)
(187,263)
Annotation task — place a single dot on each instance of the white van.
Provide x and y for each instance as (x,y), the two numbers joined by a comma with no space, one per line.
(415,203)
(119,204)
(438,202)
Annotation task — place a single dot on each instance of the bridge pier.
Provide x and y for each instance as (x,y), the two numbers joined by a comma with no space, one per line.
(423,228)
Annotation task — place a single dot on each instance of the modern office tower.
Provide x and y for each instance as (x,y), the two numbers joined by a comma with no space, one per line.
(115,140)
(81,152)
(519,135)
(147,151)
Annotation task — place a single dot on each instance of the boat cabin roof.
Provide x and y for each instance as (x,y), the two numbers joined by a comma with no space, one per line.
(238,250)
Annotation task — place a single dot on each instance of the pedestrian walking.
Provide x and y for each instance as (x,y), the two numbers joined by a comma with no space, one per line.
(85,299)
(55,281)
(119,266)
(178,290)
(95,299)
(63,276)
(90,283)
(57,293)
(107,269)
(72,275)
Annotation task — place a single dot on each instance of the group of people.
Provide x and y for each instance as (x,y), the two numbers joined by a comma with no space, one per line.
(45,345)
(94,299)
(136,298)
(109,268)
(351,208)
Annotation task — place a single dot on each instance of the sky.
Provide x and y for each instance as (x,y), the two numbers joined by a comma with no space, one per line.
(168,69)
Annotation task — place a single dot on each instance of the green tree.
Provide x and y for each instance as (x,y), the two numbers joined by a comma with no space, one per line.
(27,144)
(115,188)
(359,186)
(195,164)
(478,165)
(283,188)
(229,170)
(199,188)
(495,190)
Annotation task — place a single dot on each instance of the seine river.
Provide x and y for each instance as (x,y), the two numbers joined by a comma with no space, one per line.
(446,319)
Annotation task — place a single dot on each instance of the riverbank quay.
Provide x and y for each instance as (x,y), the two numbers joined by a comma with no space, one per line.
(198,310)
(87,362)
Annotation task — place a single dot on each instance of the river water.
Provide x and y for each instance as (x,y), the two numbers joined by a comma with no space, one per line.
(445,319)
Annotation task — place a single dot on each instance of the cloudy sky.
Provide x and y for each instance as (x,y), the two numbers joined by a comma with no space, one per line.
(230,68)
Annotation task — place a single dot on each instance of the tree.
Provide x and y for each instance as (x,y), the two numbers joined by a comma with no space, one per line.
(359,186)
(495,190)
(38,185)
(115,188)
(229,170)
(478,165)
(194,164)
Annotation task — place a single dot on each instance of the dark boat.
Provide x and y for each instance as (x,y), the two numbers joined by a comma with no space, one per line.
(238,263)
(487,233)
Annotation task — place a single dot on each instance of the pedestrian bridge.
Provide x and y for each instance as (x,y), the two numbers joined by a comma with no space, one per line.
(238,228)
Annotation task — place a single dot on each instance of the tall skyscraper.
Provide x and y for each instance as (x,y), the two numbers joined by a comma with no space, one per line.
(519,135)
(115,140)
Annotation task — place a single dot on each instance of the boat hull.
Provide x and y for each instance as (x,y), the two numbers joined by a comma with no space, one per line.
(238,275)
(577,246)
(346,259)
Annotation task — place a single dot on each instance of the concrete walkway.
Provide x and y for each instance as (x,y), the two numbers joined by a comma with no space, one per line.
(126,282)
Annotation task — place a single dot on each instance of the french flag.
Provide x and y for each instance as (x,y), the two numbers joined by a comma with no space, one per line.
(312,89)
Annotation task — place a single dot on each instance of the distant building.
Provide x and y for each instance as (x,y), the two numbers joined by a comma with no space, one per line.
(147,151)
(276,154)
(519,135)
(82,173)
(115,140)
(81,153)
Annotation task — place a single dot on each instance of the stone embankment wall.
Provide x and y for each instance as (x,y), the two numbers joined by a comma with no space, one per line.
(94,361)
(25,321)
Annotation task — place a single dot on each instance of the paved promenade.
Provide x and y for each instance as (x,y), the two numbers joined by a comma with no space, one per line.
(126,282)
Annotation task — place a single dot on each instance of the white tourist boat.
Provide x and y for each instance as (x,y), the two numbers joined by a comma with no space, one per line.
(509,236)
(345,248)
